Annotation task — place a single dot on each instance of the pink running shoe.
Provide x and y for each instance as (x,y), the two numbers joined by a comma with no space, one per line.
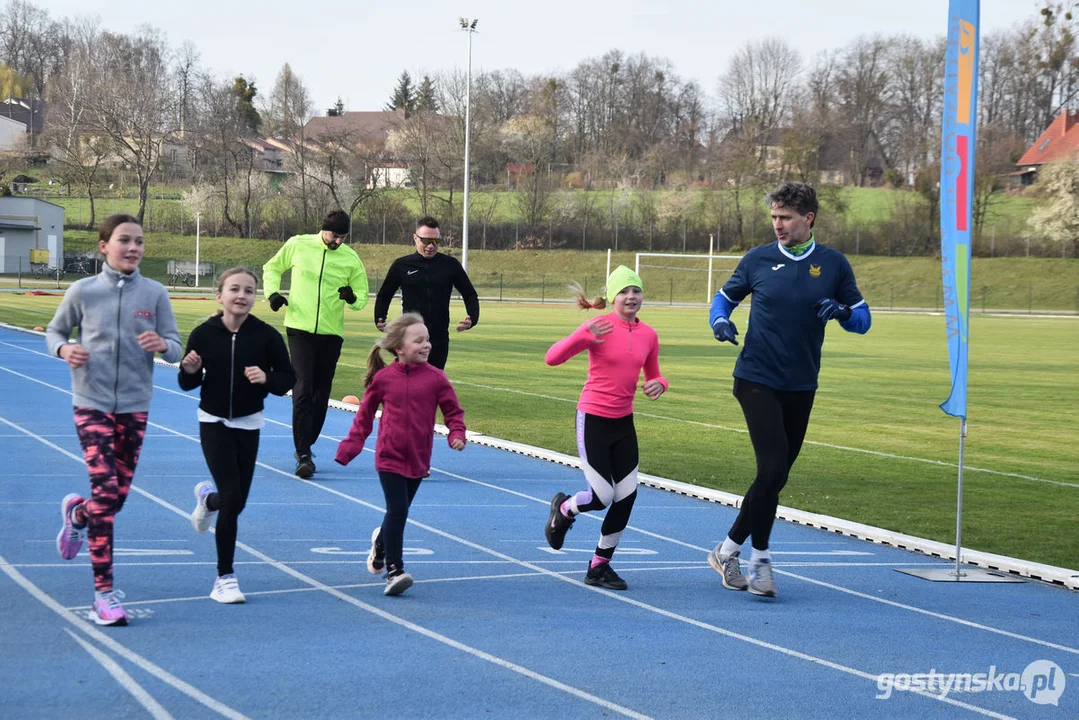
(69,541)
(107,609)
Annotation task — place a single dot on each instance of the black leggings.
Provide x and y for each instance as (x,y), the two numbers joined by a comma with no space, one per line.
(777,422)
(440,352)
(230,454)
(399,492)
(314,358)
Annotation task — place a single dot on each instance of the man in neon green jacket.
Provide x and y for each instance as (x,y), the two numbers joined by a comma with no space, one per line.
(326,278)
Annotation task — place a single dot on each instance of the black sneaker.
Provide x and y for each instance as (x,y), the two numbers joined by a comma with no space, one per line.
(557,523)
(605,577)
(305,466)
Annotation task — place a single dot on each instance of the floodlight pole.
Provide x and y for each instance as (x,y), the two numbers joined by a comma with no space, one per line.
(198,216)
(470,29)
(711,248)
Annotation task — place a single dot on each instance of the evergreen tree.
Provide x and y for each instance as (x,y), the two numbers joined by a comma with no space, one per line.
(245,93)
(425,96)
(404,96)
(337,110)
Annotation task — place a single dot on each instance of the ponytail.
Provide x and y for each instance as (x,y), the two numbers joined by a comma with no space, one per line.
(598,303)
(374,363)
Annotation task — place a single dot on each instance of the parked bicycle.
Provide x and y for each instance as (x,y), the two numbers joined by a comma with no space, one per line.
(182,277)
(48,272)
(80,266)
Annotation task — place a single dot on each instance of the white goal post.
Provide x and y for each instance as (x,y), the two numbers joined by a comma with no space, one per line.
(710,256)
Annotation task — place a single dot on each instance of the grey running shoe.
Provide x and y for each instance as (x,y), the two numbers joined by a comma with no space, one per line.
(761,581)
(727,566)
(202,516)
(557,523)
(397,581)
(604,576)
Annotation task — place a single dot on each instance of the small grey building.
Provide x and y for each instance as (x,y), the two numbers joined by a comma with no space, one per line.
(28,224)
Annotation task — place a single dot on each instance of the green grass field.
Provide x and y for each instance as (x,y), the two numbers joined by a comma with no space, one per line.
(1014,284)
(879,450)
(866,206)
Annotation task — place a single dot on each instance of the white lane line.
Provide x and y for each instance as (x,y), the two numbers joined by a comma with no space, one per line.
(664,612)
(381,583)
(838,588)
(536,568)
(660,611)
(103,639)
(665,538)
(126,681)
(446,563)
(419,629)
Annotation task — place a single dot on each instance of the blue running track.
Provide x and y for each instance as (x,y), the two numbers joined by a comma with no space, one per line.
(497,624)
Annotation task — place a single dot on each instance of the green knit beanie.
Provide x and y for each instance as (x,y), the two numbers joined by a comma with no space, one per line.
(620,279)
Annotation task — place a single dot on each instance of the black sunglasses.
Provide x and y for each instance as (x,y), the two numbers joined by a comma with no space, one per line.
(427,241)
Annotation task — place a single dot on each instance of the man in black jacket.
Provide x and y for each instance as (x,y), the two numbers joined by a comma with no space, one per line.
(426,279)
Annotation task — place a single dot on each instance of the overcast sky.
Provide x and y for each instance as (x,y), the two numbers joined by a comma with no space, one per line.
(356,49)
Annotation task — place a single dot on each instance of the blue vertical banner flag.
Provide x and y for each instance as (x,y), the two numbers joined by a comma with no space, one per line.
(957,188)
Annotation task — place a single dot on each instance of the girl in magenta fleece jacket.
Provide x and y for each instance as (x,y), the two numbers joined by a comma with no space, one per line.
(410,391)
(619,346)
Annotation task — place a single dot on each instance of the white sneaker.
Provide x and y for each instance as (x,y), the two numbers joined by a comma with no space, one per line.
(376,561)
(227,591)
(201,515)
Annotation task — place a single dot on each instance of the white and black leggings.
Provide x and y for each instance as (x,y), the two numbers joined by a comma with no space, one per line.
(610,460)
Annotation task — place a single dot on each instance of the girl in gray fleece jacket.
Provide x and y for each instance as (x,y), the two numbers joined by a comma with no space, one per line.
(122,320)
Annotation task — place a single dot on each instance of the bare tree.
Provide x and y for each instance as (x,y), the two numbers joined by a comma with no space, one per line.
(916,71)
(137,106)
(228,129)
(79,151)
(528,140)
(1054,44)
(285,116)
(864,89)
(757,87)
(30,42)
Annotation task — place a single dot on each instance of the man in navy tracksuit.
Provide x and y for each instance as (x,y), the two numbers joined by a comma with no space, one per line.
(797,286)
(426,279)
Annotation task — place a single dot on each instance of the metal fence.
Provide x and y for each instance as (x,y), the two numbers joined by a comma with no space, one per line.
(664,286)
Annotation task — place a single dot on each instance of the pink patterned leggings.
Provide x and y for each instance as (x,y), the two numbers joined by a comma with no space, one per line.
(110,444)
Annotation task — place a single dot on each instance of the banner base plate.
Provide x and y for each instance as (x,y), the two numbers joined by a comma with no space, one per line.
(965,575)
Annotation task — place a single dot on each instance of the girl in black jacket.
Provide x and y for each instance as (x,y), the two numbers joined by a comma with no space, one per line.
(237,359)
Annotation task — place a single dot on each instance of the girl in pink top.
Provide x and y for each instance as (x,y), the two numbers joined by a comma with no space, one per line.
(619,346)
(410,391)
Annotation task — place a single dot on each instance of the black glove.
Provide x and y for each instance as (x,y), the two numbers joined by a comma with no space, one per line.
(827,308)
(346,294)
(276,301)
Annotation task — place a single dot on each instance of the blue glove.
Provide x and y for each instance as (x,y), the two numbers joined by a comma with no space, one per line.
(827,308)
(725,331)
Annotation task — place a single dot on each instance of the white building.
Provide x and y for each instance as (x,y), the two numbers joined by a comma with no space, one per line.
(28,224)
(12,134)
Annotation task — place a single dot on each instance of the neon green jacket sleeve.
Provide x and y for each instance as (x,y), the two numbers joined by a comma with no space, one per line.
(314,304)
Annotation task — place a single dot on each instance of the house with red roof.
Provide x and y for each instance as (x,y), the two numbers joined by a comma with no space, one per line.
(1059,140)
